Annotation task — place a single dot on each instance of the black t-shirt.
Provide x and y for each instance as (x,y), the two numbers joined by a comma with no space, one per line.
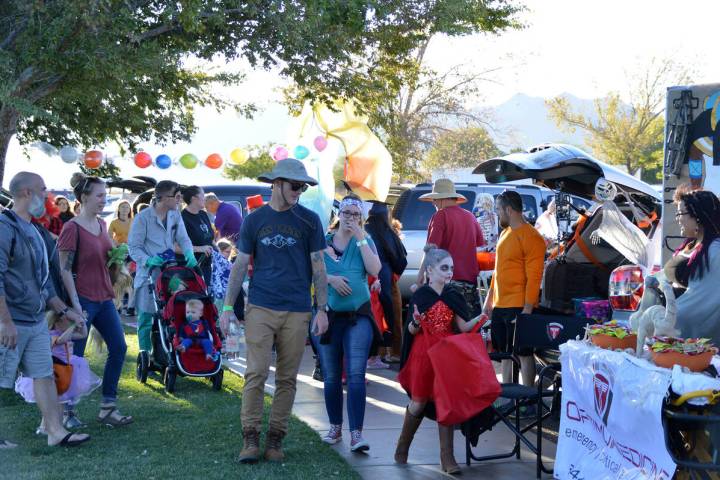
(198,227)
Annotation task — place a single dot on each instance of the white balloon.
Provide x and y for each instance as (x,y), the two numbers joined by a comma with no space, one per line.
(68,154)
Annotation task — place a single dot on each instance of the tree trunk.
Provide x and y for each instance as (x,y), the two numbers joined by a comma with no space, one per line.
(8,126)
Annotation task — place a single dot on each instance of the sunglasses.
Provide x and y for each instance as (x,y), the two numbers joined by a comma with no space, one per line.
(295,186)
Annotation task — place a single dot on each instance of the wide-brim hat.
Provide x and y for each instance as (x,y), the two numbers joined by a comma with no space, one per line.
(288,169)
(443,188)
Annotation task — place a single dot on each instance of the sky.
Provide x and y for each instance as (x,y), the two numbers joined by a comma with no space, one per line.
(582,47)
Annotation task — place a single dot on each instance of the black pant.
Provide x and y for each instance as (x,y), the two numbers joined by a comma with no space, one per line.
(502,328)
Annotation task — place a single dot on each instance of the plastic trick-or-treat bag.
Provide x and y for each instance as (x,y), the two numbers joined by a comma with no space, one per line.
(465,381)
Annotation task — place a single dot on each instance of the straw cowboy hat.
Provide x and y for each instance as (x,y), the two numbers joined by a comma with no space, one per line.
(443,188)
(289,169)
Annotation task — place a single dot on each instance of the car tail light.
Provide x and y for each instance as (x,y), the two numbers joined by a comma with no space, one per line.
(626,288)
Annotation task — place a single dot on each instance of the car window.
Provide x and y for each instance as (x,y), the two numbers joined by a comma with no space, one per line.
(416,214)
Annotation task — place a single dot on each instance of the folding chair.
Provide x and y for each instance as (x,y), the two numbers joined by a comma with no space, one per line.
(544,334)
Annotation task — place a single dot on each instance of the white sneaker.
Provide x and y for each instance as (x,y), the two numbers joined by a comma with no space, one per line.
(334,435)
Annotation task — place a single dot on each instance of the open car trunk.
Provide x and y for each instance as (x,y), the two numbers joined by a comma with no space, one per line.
(584,269)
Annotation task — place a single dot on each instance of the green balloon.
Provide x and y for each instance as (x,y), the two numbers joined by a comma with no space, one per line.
(189,160)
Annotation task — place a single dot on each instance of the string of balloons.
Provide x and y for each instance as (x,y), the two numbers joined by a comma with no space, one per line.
(94,159)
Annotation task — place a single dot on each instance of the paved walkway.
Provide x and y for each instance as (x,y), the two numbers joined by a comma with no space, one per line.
(383,420)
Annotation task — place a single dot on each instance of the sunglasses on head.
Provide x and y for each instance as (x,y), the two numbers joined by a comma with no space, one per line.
(295,186)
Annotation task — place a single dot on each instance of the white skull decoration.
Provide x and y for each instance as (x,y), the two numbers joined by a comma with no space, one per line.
(605,191)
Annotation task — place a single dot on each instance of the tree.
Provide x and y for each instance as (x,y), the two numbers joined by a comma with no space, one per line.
(628,134)
(258,163)
(408,103)
(87,72)
(461,148)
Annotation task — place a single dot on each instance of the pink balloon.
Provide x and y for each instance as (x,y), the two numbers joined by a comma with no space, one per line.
(279,153)
(320,143)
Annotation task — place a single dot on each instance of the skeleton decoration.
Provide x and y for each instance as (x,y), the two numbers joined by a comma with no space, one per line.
(622,234)
(652,319)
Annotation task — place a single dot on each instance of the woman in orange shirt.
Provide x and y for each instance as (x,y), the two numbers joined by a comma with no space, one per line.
(120,226)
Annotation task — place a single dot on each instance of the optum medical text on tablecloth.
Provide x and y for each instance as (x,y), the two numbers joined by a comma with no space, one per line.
(610,424)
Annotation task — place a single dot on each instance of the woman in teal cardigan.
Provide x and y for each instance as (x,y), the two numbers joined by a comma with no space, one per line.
(349,258)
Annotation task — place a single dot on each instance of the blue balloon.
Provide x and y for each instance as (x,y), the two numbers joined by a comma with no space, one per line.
(163,161)
(301,152)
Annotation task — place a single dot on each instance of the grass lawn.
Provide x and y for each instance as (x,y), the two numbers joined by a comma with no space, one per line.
(193,433)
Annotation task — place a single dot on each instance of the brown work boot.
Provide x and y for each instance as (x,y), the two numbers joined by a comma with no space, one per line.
(251,446)
(273,446)
(410,426)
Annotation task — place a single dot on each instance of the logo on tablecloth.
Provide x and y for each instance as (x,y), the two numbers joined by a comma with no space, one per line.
(602,389)
(554,330)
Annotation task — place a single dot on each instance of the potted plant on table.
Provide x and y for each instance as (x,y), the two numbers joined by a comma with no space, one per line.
(612,335)
(693,353)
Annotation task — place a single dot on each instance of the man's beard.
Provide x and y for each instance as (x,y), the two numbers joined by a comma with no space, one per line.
(504,223)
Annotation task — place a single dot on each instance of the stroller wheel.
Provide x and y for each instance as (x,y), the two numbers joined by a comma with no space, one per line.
(217,380)
(170,377)
(141,369)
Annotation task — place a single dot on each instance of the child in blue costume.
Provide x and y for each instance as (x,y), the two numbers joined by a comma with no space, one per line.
(196,330)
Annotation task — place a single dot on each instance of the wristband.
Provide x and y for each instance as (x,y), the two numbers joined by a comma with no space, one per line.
(228,308)
(361,243)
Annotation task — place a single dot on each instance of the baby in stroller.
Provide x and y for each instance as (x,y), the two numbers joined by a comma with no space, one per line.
(196,330)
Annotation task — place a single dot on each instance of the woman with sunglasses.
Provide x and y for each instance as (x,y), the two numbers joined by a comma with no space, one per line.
(155,231)
(439,310)
(349,258)
(695,266)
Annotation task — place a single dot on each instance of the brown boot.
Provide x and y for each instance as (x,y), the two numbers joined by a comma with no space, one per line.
(273,446)
(410,426)
(447,457)
(251,446)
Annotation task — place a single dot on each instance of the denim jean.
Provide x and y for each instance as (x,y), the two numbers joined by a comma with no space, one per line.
(104,317)
(350,343)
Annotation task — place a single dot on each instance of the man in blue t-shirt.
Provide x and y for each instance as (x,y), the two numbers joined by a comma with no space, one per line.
(286,242)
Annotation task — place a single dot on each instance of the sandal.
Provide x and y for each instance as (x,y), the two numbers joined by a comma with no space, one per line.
(7,444)
(68,442)
(111,421)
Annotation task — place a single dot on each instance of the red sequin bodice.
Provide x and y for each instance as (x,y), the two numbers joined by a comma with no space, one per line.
(438,319)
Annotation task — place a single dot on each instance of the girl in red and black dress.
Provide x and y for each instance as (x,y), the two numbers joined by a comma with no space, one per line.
(439,311)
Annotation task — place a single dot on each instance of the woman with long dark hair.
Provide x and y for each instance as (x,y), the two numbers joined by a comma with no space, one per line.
(63,205)
(393,262)
(696,264)
(199,228)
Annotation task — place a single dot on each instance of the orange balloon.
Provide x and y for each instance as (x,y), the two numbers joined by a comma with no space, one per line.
(143,159)
(214,161)
(93,158)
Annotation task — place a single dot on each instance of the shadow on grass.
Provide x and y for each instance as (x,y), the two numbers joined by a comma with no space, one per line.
(193,433)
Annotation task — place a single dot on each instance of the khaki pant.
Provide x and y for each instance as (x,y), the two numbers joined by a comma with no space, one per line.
(288,331)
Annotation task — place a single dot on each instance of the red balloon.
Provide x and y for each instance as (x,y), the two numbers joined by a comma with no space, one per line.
(93,158)
(214,161)
(143,159)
